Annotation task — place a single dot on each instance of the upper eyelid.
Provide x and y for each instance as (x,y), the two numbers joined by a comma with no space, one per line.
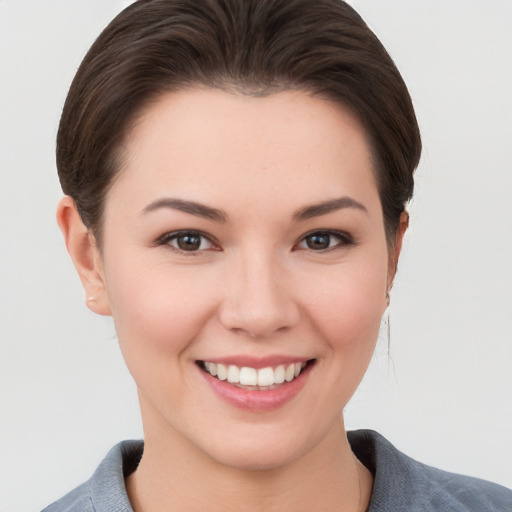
(346,239)
(170,235)
(335,232)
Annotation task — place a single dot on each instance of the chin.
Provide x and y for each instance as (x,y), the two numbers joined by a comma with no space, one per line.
(248,456)
(263,448)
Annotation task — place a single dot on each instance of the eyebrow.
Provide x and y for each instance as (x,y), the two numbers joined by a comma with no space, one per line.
(207,212)
(326,207)
(198,209)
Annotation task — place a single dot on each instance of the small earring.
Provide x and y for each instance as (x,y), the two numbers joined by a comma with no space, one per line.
(91,298)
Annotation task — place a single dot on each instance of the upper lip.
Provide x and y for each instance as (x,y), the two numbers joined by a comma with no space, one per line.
(256,362)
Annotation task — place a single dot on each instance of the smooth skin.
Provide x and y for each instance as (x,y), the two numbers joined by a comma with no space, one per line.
(257,269)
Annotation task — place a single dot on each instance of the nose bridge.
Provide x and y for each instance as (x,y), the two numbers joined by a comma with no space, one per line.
(258,300)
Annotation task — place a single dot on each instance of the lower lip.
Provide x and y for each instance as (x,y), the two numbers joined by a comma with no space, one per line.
(256,400)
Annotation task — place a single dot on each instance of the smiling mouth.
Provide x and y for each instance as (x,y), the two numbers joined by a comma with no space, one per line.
(261,379)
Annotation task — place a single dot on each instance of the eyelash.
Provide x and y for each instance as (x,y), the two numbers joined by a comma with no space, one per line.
(344,240)
(175,235)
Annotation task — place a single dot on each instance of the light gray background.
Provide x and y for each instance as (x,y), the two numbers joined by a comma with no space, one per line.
(445,394)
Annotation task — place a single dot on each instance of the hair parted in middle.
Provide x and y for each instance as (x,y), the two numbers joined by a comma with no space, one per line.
(254,47)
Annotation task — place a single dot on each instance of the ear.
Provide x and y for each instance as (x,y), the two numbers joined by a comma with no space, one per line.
(82,248)
(394,252)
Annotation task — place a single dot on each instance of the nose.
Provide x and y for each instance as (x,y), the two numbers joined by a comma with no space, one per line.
(258,299)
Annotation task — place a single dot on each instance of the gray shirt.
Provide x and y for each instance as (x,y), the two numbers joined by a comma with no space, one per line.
(401,484)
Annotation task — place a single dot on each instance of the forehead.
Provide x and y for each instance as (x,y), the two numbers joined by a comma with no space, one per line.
(208,142)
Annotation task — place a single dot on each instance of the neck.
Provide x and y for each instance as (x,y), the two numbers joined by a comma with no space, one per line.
(173,475)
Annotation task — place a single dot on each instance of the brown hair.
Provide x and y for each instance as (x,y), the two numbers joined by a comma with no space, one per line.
(252,46)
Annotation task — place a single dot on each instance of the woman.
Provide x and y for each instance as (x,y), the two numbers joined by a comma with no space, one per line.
(236,175)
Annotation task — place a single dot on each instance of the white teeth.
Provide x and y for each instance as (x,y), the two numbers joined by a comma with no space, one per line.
(233,374)
(247,376)
(266,377)
(279,374)
(222,372)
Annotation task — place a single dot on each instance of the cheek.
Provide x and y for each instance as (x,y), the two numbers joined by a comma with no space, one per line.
(159,313)
(349,306)
(157,307)
(348,320)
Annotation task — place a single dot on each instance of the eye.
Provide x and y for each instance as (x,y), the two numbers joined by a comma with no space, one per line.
(187,241)
(324,240)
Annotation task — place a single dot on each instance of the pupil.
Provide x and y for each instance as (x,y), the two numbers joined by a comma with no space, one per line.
(319,241)
(189,242)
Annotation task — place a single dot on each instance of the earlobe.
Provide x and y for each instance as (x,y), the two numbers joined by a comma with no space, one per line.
(82,248)
(396,249)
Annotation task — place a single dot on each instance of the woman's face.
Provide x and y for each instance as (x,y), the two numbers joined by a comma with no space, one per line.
(245,235)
